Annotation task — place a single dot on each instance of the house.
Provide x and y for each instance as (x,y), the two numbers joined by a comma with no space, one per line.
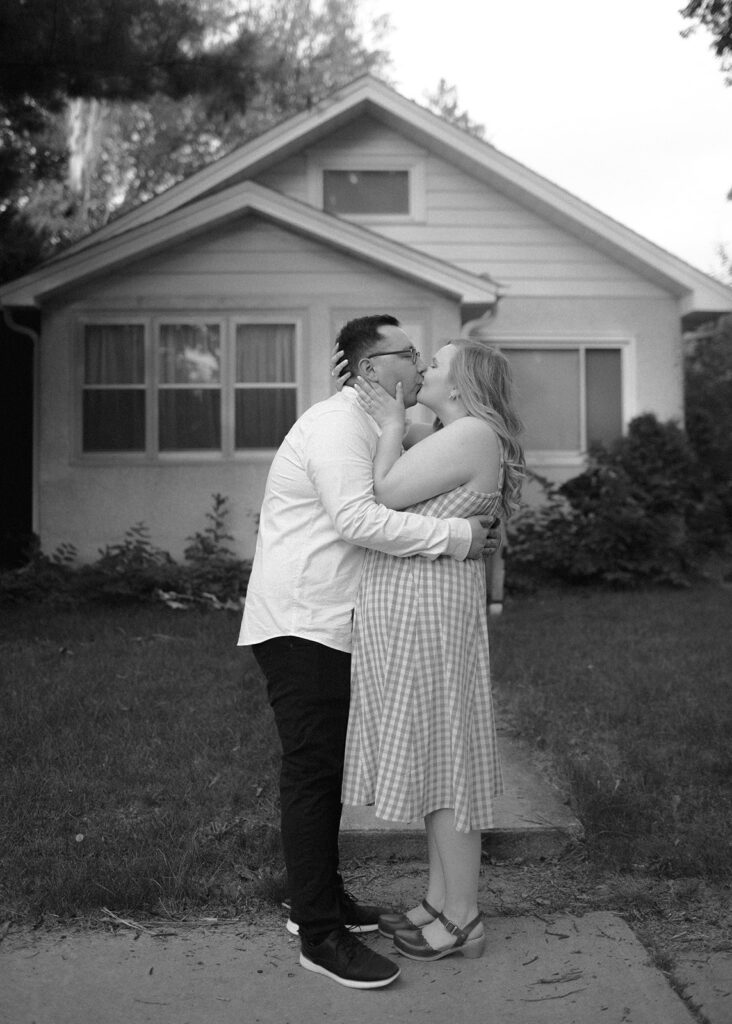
(179,342)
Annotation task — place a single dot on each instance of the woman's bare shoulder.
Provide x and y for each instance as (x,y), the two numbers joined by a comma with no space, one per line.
(472,427)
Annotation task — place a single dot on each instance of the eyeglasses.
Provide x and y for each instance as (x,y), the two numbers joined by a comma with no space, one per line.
(411,352)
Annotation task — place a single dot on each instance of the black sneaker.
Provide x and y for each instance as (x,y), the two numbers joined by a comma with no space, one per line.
(360,917)
(345,959)
(357,917)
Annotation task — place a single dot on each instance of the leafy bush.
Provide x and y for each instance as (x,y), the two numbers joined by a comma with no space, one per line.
(708,369)
(43,577)
(212,542)
(212,573)
(638,514)
(135,570)
(129,571)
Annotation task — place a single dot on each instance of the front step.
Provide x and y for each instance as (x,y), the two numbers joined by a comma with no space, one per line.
(531,820)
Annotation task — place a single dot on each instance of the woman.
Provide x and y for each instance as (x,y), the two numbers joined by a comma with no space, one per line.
(421,737)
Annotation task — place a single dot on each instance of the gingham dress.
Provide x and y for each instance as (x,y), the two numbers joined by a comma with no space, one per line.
(421,733)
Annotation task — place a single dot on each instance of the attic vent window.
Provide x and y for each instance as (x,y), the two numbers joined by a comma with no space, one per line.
(366,193)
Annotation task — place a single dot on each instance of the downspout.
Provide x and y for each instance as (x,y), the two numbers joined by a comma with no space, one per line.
(36,342)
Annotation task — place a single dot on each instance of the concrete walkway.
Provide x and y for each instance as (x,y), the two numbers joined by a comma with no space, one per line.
(549,970)
(565,971)
(531,819)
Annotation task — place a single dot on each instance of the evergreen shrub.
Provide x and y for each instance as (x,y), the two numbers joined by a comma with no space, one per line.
(708,408)
(639,513)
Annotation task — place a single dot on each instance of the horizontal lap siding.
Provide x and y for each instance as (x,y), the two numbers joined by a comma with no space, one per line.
(253,257)
(368,136)
(492,233)
(289,177)
(473,224)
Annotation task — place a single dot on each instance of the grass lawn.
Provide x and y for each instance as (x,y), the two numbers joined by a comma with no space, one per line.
(139,758)
(631,695)
(139,761)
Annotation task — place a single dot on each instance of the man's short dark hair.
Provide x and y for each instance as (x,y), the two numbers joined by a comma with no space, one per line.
(357,338)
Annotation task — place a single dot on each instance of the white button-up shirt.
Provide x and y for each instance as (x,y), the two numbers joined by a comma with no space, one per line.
(318,517)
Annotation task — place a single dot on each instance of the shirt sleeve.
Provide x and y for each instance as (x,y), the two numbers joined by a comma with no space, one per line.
(338,458)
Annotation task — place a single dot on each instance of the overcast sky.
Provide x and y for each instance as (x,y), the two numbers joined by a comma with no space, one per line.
(604,98)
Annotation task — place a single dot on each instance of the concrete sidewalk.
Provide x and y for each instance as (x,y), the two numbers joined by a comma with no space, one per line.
(536,970)
(567,970)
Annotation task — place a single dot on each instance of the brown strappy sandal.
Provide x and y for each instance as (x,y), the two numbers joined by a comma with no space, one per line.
(390,924)
(416,947)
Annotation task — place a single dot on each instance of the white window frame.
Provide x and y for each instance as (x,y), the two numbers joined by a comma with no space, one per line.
(625,344)
(151,323)
(414,166)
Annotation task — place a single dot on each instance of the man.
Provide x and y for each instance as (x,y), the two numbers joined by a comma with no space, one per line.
(318,517)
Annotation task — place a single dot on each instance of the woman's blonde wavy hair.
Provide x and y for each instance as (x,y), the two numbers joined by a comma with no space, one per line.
(482,377)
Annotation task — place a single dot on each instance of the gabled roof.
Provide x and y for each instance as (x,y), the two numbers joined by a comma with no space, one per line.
(86,262)
(368,95)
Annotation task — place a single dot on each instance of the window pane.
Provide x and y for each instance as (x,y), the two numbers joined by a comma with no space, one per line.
(604,412)
(265,352)
(366,191)
(189,354)
(263,416)
(547,395)
(114,354)
(114,421)
(189,419)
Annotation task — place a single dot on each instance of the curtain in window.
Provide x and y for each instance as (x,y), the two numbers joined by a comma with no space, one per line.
(113,417)
(265,352)
(114,354)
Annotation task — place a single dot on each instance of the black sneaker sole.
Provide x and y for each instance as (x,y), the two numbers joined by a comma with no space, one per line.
(310,965)
(357,929)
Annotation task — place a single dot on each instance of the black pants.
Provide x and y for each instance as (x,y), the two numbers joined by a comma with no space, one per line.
(309,689)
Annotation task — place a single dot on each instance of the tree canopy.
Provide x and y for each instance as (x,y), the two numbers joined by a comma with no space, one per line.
(444,101)
(105,103)
(122,49)
(716,17)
